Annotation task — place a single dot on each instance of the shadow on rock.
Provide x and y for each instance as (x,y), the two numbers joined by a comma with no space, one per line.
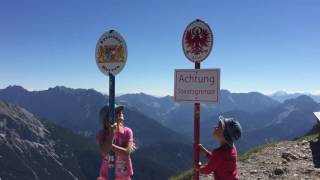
(315,148)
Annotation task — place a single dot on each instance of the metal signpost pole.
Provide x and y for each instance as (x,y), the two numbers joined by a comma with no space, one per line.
(196,133)
(111,56)
(112,117)
(197,44)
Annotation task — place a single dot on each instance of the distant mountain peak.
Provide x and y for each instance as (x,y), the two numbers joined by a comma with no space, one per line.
(280,93)
(140,96)
(225,91)
(302,102)
(67,90)
(305,98)
(15,88)
(61,88)
(23,118)
(143,94)
(301,98)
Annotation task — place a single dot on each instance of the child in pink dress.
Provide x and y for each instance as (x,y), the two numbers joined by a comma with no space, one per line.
(123,145)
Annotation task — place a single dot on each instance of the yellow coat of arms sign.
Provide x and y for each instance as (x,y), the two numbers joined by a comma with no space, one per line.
(111,53)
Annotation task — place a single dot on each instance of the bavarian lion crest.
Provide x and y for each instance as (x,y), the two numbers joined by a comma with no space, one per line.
(111,54)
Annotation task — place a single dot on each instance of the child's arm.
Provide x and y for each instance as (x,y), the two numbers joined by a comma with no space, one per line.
(125,151)
(204,169)
(205,151)
(105,147)
(105,143)
(210,167)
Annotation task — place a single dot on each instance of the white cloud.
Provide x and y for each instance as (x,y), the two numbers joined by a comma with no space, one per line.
(316,92)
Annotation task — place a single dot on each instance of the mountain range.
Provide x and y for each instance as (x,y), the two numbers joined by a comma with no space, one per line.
(281,96)
(263,118)
(179,116)
(291,119)
(150,136)
(78,109)
(163,129)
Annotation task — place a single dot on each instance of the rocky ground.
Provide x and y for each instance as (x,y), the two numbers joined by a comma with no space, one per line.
(284,160)
(292,160)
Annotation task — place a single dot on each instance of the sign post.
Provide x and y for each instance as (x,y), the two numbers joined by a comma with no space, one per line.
(197,44)
(111,56)
(196,131)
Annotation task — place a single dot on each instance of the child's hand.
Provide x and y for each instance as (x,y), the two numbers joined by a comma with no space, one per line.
(203,149)
(112,128)
(197,167)
(110,134)
(195,146)
(201,146)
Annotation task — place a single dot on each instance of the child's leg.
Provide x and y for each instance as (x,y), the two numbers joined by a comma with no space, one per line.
(104,170)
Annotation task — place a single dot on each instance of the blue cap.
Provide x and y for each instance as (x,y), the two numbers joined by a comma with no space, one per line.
(118,108)
(232,129)
(104,112)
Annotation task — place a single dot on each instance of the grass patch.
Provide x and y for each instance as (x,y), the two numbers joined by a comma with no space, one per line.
(254,150)
(313,137)
(187,175)
(245,156)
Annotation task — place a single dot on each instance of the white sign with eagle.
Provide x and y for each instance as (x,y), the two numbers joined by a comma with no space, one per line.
(197,41)
(111,53)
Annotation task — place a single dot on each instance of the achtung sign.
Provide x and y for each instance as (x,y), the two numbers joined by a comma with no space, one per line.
(197,85)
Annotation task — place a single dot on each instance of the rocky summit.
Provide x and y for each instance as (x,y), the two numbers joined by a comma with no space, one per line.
(292,160)
(283,160)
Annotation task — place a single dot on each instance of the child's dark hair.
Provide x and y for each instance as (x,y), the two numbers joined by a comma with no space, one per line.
(104,113)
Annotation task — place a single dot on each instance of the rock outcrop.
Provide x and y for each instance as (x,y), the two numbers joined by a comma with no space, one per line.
(283,160)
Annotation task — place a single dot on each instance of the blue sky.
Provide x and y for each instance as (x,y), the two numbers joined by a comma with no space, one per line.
(259,45)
